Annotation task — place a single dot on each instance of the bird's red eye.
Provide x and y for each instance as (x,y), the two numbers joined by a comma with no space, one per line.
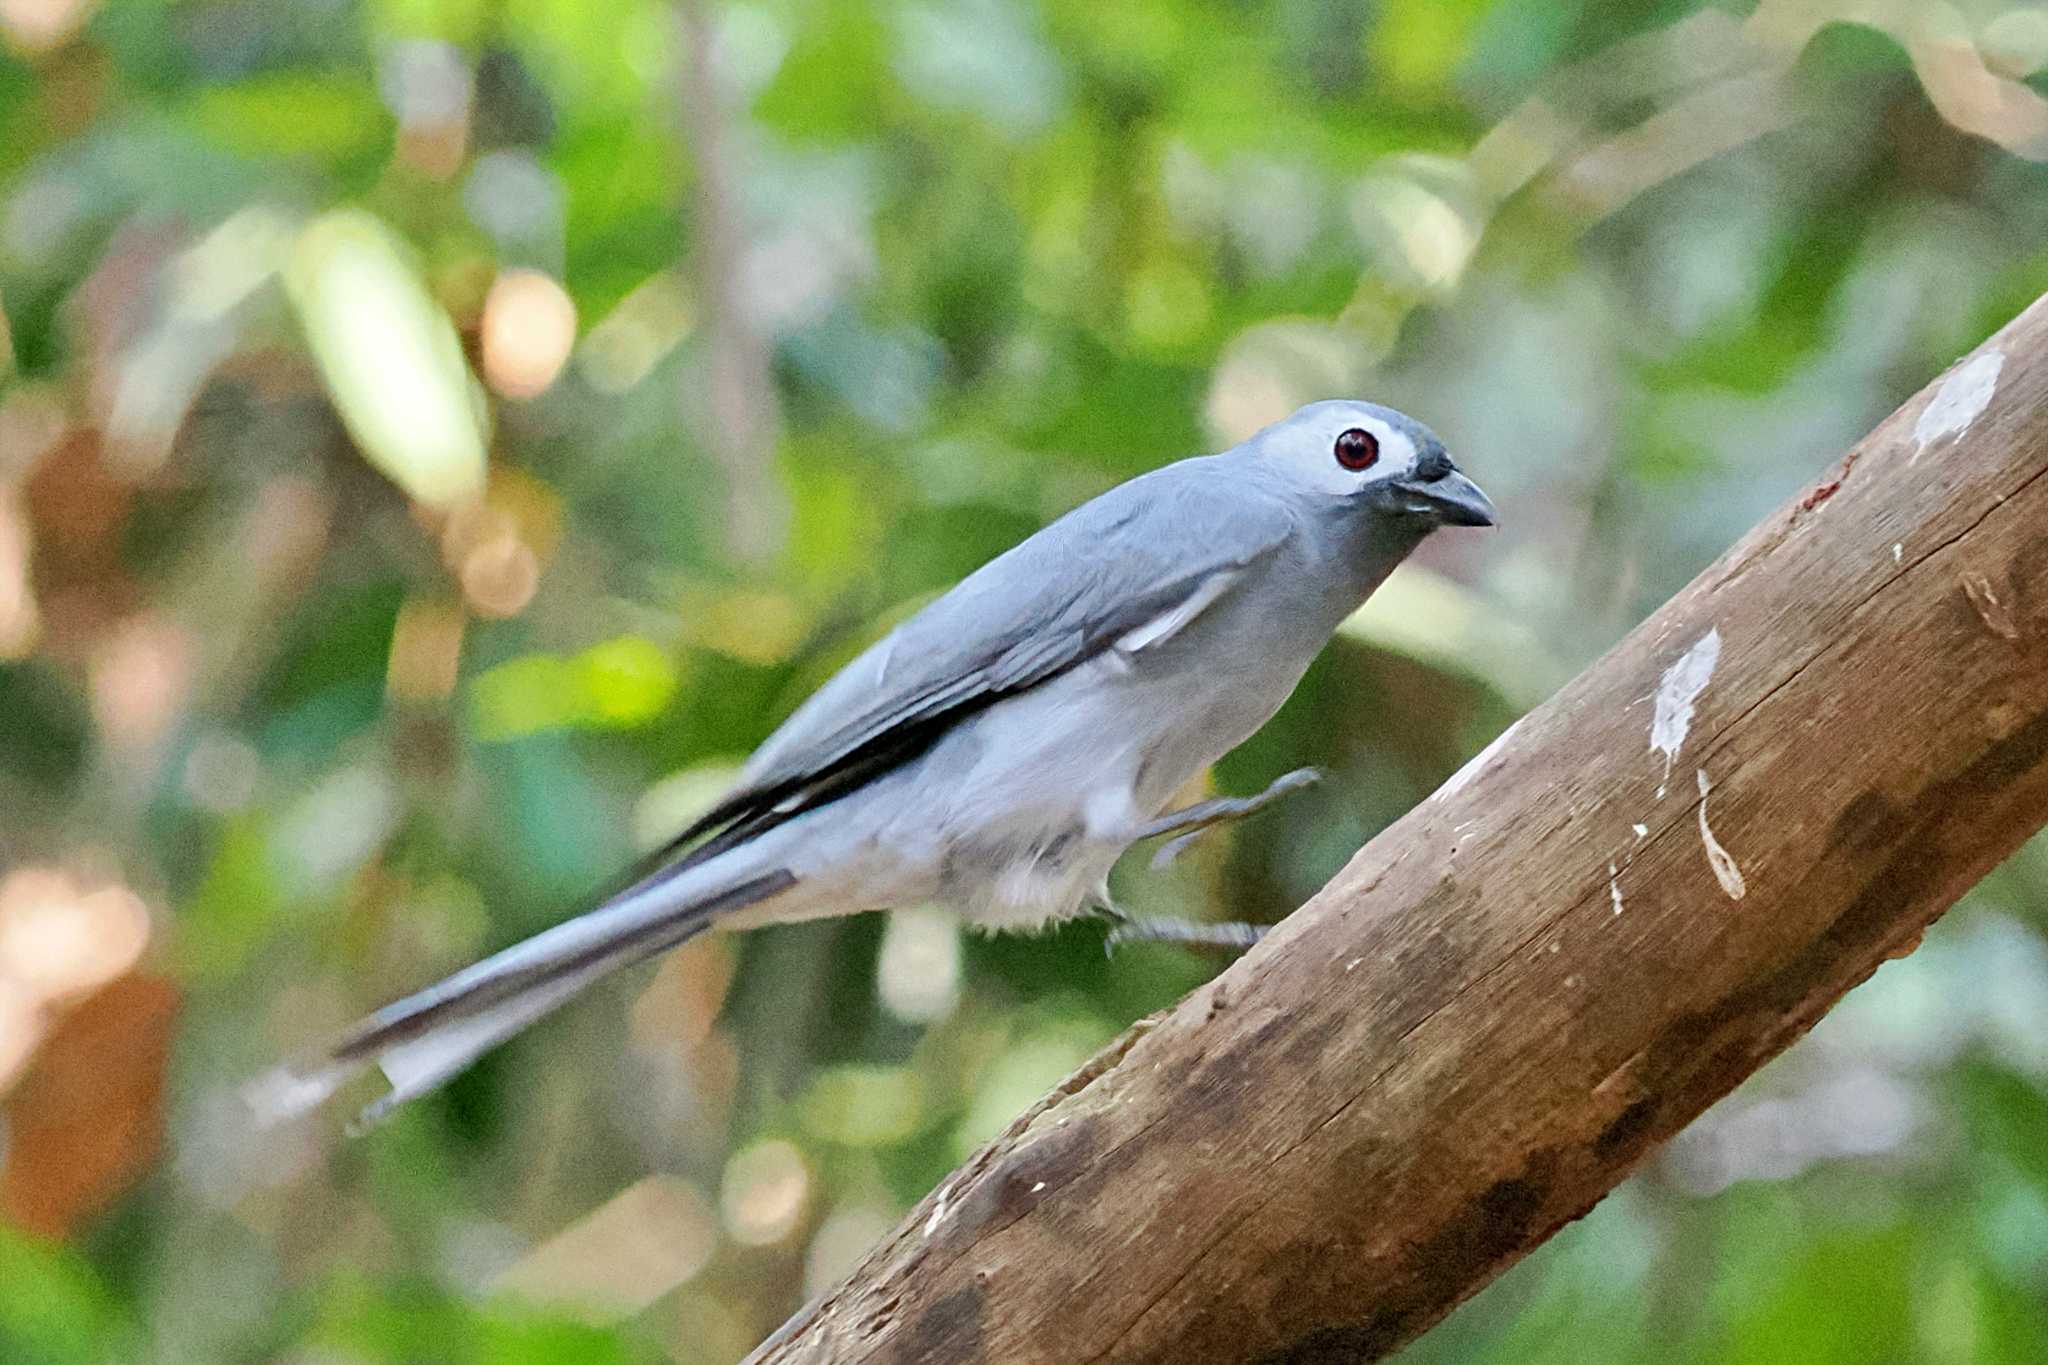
(1358,449)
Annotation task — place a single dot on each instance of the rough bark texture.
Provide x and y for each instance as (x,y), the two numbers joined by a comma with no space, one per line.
(1622,908)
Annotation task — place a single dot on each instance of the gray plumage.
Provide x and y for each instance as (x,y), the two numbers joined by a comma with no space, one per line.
(999,750)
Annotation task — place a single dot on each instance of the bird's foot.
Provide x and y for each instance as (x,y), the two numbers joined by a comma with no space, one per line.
(1186,824)
(1234,936)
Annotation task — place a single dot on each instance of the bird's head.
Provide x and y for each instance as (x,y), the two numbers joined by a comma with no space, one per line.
(1374,459)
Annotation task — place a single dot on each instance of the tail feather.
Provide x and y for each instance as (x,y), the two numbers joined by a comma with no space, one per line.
(426,1059)
(421,1041)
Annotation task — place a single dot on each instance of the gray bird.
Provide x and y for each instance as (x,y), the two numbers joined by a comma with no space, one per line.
(1001,749)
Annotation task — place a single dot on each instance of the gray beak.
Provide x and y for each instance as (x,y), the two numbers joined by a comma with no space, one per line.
(1449,499)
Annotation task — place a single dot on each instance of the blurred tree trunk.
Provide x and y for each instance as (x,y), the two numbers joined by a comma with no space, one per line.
(730,401)
(1643,891)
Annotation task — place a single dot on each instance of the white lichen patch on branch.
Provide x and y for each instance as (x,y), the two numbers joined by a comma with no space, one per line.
(1959,401)
(1677,692)
(1614,886)
(1474,766)
(940,1207)
(1995,613)
(1726,871)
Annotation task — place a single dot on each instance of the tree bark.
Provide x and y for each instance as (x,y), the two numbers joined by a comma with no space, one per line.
(1628,903)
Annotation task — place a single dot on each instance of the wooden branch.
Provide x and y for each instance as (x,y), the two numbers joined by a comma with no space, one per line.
(1619,910)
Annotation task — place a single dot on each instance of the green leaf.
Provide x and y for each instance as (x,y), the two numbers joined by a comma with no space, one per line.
(1845,1299)
(1419,43)
(390,357)
(53,1309)
(2008,1114)
(411,1323)
(834,79)
(228,917)
(293,114)
(614,685)
(47,729)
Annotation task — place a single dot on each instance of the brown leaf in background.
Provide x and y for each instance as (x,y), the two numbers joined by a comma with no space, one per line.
(86,1121)
(79,505)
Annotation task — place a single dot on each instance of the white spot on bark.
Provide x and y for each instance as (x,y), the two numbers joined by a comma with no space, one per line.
(1039,1186)
(1959,401)
(1642,832)
(1996,614)
(1614,886)
(939,1209)
(1474,766)
(1898,552)
(1680,688)
(1725,870)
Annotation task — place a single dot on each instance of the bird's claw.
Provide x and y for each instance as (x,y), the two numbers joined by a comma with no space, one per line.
(1234,936)
(1186,825)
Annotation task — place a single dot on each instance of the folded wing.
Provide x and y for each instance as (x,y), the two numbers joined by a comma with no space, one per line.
(1128,570)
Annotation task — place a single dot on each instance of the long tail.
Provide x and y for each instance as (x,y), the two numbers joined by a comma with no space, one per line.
(427,1037)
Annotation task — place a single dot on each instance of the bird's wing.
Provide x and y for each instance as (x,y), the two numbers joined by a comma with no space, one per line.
(1128,570)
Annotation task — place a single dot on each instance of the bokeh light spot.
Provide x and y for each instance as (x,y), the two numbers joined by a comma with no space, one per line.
(58,939)
(762,1196)
(529,328)
(615,1261)
(390,357)
(917,973)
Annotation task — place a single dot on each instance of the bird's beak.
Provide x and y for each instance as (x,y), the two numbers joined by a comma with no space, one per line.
(1449,499)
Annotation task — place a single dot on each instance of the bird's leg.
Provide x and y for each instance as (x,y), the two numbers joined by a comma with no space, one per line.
(1126,929)
(1181,827)
(1233,935)
(1185,824)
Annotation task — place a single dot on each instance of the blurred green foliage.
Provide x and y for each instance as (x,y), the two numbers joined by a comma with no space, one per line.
(436,443)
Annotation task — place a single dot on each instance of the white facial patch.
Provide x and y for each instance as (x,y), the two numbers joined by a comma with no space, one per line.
(1315,452)
(1397,454)
(1307,444)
